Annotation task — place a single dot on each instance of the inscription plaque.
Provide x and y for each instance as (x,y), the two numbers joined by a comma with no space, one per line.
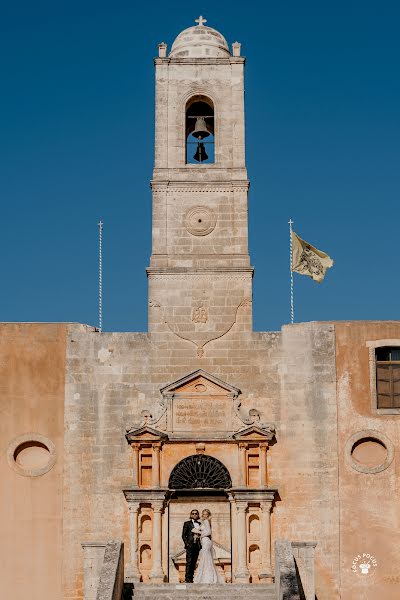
(205,414)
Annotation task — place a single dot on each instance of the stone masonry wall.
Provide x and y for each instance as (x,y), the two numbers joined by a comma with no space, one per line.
(289,377)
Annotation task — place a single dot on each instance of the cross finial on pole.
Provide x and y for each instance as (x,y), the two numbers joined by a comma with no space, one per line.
(200,21)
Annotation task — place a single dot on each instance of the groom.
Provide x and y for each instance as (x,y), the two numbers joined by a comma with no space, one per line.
(192,544)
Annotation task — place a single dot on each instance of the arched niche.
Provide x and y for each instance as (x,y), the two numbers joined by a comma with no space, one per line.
(254,526)
(199,130)
(200,471)
(145,556)
(254,555)
(145,527)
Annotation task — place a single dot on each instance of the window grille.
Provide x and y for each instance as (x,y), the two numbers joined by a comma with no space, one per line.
(199,471)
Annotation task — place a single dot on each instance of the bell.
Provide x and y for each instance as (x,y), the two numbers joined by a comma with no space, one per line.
(201,154)
(200,129)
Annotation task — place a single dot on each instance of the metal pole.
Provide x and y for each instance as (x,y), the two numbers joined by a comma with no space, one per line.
(100,224)
(291,272)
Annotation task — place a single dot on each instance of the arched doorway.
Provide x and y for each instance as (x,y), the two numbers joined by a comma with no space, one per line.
(200,481)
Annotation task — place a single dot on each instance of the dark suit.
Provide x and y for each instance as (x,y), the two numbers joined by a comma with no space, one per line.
(192,545)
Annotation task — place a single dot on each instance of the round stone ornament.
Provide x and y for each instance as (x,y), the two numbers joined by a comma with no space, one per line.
(200,220)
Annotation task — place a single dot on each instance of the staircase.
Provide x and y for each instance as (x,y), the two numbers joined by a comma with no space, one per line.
(193,591)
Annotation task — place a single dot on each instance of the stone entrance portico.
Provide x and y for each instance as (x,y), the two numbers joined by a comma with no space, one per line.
(200,425)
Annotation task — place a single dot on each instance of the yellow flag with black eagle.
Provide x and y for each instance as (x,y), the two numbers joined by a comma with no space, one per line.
(308,260)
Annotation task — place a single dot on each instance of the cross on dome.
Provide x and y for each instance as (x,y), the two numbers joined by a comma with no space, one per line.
(200,41)
(200,21)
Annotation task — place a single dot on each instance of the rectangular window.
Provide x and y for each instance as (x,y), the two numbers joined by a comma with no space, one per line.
(388,377)
(253,477)
(145,469)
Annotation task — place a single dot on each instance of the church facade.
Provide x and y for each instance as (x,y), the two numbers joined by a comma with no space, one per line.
(287,435)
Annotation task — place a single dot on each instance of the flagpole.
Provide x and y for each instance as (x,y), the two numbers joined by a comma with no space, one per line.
(291,272)
(100,225)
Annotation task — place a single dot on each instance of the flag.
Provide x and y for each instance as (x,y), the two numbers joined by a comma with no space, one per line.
(308,260)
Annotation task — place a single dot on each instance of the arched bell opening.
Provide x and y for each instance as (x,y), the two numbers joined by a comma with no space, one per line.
(200,472)
(199,131)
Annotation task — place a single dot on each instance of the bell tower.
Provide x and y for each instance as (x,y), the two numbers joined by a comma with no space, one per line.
(200,279)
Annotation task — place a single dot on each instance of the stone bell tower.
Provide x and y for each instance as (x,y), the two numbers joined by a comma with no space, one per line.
(200,279)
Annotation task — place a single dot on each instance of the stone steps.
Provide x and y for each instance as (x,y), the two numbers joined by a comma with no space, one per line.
(193,591)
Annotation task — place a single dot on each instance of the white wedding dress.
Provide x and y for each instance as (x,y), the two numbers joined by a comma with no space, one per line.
(206,571)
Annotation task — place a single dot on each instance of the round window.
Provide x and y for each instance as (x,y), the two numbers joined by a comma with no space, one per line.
(31,455)
(369,451)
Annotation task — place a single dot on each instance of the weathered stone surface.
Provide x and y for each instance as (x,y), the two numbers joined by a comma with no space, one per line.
(93,558)
(204,592)
(112,572)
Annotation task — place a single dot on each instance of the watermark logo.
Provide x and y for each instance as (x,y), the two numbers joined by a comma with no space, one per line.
(364,563)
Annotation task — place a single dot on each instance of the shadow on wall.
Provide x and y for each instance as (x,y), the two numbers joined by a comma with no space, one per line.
(127,592)
(300,585)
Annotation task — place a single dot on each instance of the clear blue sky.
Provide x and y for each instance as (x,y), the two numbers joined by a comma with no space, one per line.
(76,141)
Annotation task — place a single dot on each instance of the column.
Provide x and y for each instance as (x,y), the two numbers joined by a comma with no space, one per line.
(135,466)
(164,540)
(242,464)
(242,572)
(133,541)
(265,539)
(156,574)
(234,543)
(156,465)
(263,465)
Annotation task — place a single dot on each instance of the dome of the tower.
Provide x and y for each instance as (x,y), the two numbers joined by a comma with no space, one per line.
(200,42)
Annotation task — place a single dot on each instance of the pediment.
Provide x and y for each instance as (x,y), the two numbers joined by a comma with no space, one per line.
(201,406)
(145,434)
(200,383)
(255,433)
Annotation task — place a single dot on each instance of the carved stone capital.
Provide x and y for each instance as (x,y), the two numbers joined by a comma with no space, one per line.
(157,506)
(241,506)
(266,506)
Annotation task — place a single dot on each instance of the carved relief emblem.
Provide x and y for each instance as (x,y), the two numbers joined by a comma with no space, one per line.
(200,314)
(202,336)
(200,220)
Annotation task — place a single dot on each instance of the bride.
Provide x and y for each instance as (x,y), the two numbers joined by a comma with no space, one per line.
(206,571)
